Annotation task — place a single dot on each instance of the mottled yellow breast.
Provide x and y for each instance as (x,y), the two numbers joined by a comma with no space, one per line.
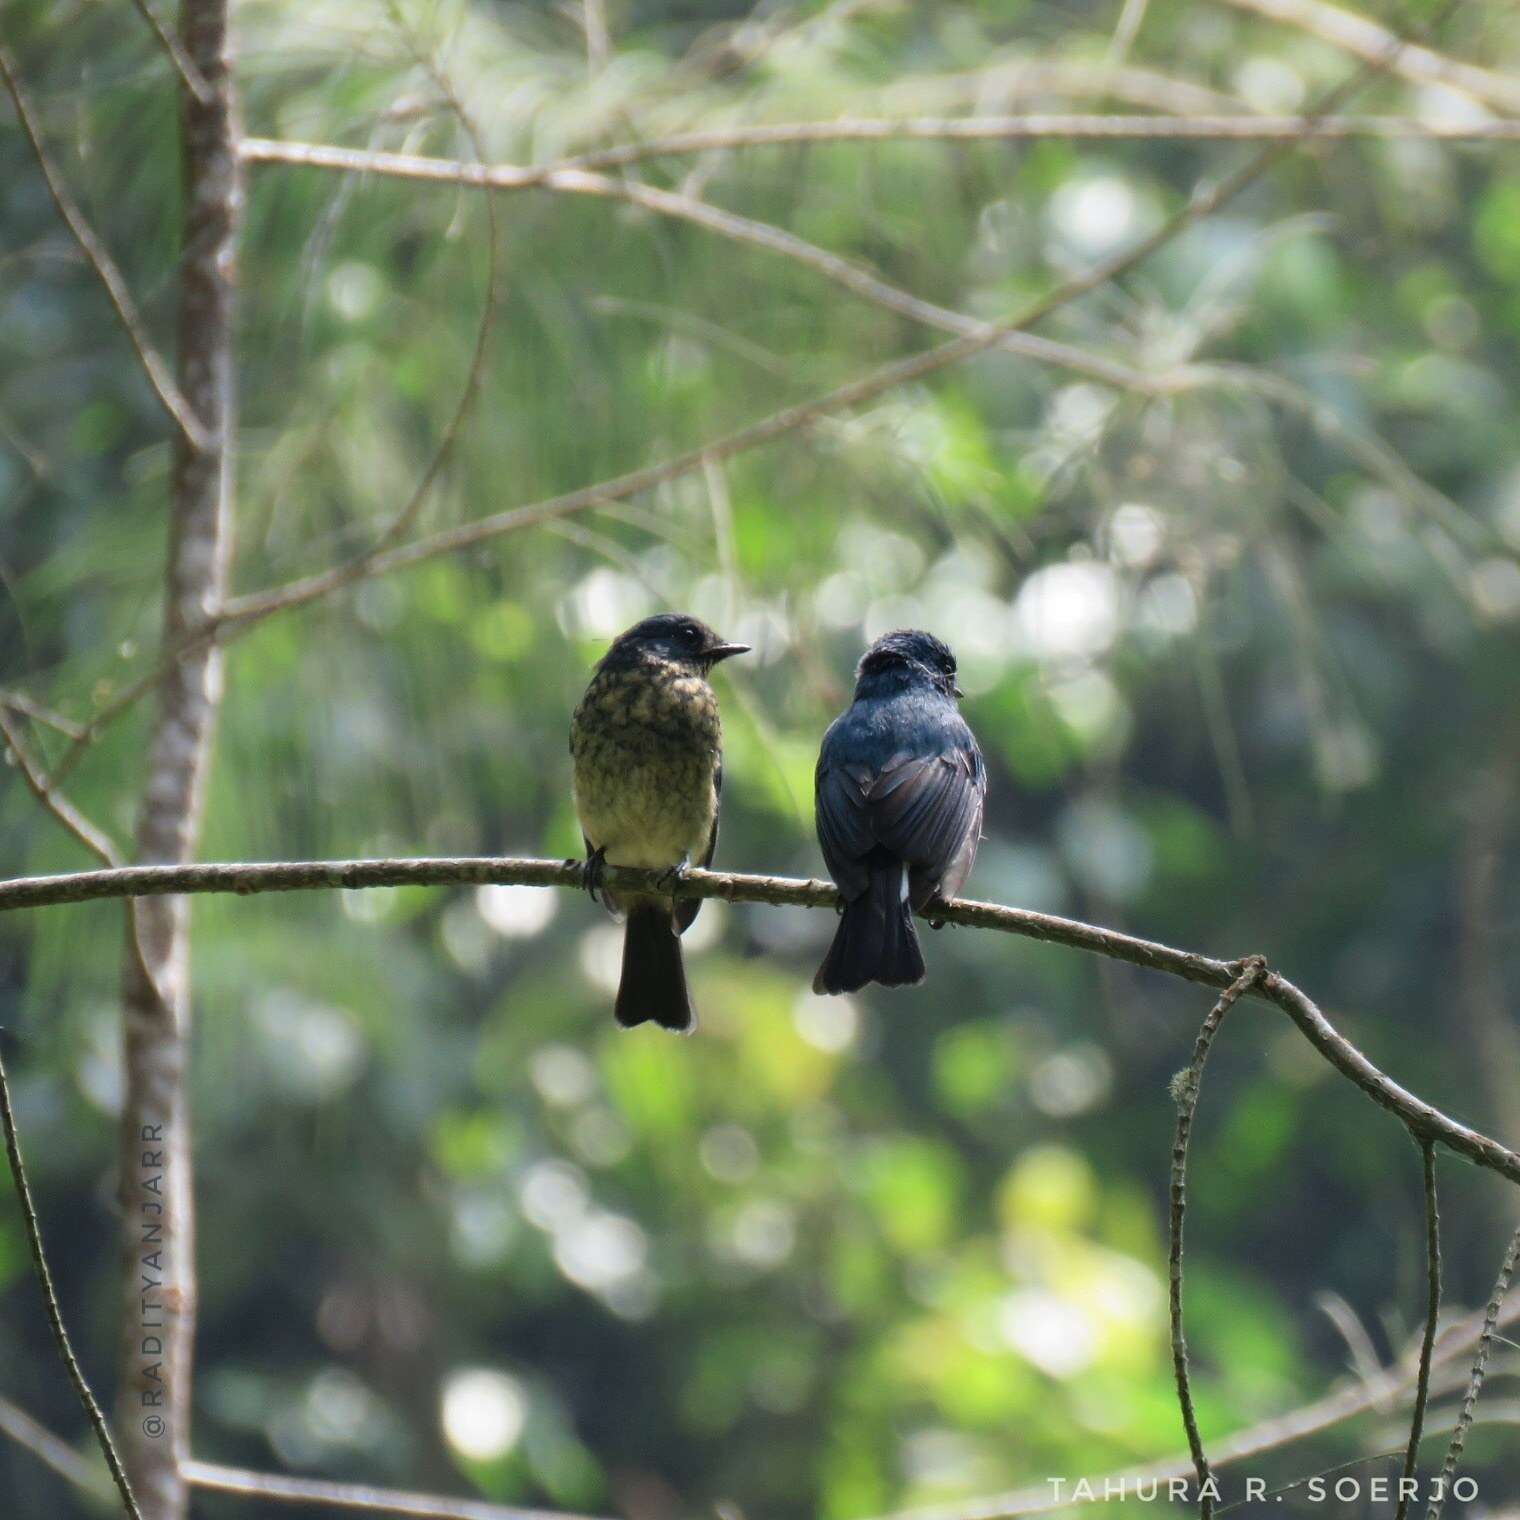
(645,745)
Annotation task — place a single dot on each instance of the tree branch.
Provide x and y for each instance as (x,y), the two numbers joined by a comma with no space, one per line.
(215,1478)
(1428,1339)
(1367,39)
(687,208)
(50,1299)
(51,1450)
(95,840)
(18,701)
(157,1309)
(163,383)
(401,524)
(1422,1119)
(1204,202)
(1188,1084)
(190,76)
(242,612)
(1026,127)
(1475,1382)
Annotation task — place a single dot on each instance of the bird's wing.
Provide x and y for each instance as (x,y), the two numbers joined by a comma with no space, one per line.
(927,810)
(843,817)
(688,907)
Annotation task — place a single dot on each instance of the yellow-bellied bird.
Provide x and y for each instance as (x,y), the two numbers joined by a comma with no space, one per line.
(647,763)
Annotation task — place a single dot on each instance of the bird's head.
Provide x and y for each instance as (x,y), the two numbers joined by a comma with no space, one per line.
(909,656)
(674,636)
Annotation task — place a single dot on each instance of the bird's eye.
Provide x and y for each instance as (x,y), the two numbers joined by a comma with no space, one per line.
(691,633)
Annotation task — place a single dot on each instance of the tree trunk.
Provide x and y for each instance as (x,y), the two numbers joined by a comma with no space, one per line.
(158,1237)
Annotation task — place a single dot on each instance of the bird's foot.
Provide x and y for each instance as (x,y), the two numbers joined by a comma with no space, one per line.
(592,873)
(934,912)
(668,880)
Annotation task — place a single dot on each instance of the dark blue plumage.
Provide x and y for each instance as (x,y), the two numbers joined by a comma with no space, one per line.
(898,798)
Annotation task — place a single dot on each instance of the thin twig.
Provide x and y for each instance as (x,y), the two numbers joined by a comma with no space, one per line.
(100,260)
(157,1008)
(239,613)
(1407,1484)
(1368,39)
(598,36)
(1277,1494)
(215,1478)
(1475,1382)
(403,521)
(1418,1116)
(1186,1088)
(52,1451)
(190,76)
(50,1298)
(91,836)
(94,839)
(18,701)
(687,208)
(1030,127)
(1204,202)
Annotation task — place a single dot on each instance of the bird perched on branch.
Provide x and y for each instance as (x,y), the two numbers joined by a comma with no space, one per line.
(647,765)
(898,799)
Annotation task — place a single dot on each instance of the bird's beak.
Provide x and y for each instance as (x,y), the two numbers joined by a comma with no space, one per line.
(716,652)
(958,692)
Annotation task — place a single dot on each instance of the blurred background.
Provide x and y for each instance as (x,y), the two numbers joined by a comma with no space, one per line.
(1241,649)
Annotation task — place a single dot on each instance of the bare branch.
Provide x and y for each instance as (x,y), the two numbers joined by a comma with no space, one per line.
(1187,1086)
(402,523)
(1422,1120)
(1367,39)
(1365,447)
(50,1299)
(355,1496)
(95,840)
(1428,1339)
(242,612)
(1475,1382)
(739,229)
(1028,127)
(120,297)
(598,38)
(154,1143)
(190,76)
(1204,202)
(1131,19)
(1007,80)
(257,605)
(51,1450)
(18,701)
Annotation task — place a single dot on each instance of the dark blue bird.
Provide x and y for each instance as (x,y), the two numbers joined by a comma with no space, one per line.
(898,797)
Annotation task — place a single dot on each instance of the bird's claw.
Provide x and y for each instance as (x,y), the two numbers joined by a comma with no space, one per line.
(592,873)
(671,878)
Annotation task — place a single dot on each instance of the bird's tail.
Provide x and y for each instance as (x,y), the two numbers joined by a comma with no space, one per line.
(875,941)
(653,983)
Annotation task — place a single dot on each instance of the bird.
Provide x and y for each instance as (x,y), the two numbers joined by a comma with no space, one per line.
(646,752)
(899,795)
